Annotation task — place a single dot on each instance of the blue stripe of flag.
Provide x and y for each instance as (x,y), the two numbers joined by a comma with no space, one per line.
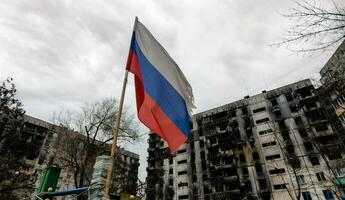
(161,91)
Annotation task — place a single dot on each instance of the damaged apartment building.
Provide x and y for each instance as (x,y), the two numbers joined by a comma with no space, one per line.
(279,144)
(44,157)
(333,81)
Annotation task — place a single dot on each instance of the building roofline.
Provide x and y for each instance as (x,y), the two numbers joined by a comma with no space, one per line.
(329,64)
(272,93)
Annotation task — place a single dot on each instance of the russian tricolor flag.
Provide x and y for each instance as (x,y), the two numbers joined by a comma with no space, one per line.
(164,96)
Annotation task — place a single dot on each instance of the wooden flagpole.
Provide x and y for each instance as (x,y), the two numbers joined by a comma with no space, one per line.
(116,134)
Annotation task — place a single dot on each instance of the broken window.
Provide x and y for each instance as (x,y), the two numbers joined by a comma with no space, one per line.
(320,128)
(328,194)
(245,171)
(293,108)
(288,97)
(204,177)
(242,157)
(202,143)
(314,160)
(334,156)
(277,171)
(183,184)
(215,162)
(213,140)
(181,151)
(182,172)
(298,121)
(259,110)
(306,195)
(267,144)
(183,197)
(182,161)
(265,131)
(244,111)
(308,146)
(262,184)
(266,119)
(320,176)
(255,156)
(300,179)
(272,157)
(279,186)
(274,102)
(203,166)
(202,155)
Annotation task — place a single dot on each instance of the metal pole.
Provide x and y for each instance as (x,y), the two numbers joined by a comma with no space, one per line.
(116,134)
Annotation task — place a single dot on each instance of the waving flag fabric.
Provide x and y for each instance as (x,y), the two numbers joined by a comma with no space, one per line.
(164,96)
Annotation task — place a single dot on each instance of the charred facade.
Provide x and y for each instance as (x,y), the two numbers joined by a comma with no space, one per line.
(280,144)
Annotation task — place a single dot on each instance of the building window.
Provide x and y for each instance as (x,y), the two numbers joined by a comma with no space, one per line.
(171,181)
(300,179)
(202,143)
(255,156)
(245,171)
(328,194)
(242,158)
(321,128)
(171,171)
(272,157)
(262,184)
(183,197)
(293,108)
(267,144)
(306,196)
(182,172)
(314,160)
(170,161)
(277,171)
(266,119)
(183,184)
(288,97)
(181,151)
(202,155)
(279,186)
(181,161)
(334,156)
(340,172)
(320,176)
(265,131)
(308,146)
(259,110)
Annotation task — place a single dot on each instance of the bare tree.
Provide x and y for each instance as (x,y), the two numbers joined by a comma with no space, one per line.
(315,26)
(88,133)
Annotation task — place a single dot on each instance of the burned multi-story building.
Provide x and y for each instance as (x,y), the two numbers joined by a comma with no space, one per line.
(45,150)
(333,80)
(279,144)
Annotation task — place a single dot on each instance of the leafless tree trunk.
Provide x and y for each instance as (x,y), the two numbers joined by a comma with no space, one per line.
(87,133)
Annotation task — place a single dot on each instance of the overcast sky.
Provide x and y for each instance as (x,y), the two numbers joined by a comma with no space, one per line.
(64,53)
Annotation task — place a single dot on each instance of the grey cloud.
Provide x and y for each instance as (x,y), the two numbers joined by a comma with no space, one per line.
(63,53)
